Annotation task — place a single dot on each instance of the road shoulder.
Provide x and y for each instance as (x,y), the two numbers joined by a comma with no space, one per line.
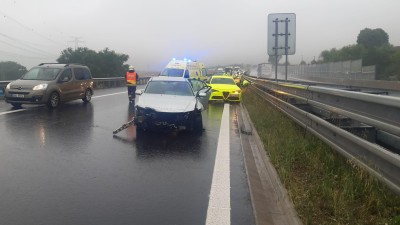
(270,201)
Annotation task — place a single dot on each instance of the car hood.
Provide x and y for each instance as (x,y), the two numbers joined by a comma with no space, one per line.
(168,103)
(27,84)
(227,87)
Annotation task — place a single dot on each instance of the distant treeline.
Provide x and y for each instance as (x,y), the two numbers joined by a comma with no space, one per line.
(373,48)
(105,63)
(11,70)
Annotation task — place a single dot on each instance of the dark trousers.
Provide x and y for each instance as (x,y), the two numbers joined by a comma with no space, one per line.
(131,93)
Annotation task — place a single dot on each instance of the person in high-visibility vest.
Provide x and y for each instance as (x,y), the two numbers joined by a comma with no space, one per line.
(131,80)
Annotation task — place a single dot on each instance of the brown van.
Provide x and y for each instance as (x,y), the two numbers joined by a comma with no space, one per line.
(51,84)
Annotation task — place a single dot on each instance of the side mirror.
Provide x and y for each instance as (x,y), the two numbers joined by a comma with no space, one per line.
(207,88)
(201,94)
(139,92)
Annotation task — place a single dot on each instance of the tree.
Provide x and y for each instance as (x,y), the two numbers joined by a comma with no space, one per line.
(374,49)
(105,63)
(372,38)
(329,55)
(382,58)
(350,52)
(11,70)
(313,62)
(393,70)
(113,63)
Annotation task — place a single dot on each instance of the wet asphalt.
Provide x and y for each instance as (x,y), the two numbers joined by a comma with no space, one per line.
(64,166)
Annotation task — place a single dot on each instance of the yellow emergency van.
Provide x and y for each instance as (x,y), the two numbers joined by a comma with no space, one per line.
(185,68)
(203,70)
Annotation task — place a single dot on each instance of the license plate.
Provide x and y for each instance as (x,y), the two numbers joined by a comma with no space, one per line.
(17,95)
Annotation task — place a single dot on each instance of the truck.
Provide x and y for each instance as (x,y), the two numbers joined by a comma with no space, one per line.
(265,70)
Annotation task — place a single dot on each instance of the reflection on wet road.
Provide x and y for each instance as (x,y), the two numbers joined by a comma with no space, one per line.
(64,166)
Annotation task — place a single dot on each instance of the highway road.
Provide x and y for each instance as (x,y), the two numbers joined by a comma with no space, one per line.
(64,166)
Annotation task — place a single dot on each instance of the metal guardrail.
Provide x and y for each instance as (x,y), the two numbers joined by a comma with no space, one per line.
(381,112)
(115,82)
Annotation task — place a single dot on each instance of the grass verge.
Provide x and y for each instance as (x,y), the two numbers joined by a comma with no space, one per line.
(325,187)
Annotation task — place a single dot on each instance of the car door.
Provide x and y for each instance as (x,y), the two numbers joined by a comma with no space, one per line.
(202,87)
(66,85)
(79,82)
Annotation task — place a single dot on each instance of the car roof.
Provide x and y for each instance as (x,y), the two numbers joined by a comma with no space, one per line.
(60,65)
(166,78)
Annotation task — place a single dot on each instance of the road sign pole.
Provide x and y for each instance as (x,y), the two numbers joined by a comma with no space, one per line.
(286,45)
(276,49)
(281,38)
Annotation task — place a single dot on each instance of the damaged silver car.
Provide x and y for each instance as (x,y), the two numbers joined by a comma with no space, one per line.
(172,103)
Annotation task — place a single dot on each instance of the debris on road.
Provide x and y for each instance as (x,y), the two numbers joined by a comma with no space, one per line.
(124,126)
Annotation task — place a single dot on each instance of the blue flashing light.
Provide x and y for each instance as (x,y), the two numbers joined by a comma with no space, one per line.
(189,60)
(185,59)
(174,59)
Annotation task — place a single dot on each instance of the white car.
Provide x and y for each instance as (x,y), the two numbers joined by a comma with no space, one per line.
(172,103)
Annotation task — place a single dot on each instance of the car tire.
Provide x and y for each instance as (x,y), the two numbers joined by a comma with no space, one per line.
(198,124)
(88,96)
(139,129)
(54,100)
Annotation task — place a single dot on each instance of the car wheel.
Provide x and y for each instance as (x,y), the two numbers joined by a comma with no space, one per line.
(198,123)
(88,96)
(16,105)
(54,100)
(139,129)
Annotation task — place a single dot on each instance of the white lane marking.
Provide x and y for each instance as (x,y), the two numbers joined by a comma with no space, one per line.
(20,110)
(219,205)
(118,93)
(14,111)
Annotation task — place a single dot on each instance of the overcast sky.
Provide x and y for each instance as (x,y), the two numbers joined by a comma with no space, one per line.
(152,32)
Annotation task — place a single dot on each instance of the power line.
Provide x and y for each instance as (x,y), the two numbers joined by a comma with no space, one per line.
(19,55)
(76,41)
(24,49)
(26,45)
(30,29)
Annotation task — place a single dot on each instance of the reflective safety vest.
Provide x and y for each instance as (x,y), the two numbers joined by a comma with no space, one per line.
(131,78)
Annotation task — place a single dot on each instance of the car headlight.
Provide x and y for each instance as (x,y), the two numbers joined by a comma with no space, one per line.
(237,92)
(139,111)
(8,86)
(40,87)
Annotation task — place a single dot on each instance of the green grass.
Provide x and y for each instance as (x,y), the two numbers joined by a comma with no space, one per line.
(325,187)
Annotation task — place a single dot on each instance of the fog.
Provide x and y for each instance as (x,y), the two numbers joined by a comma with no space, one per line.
(151,32)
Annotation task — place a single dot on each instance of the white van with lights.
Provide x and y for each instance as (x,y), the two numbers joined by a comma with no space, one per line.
(185,68)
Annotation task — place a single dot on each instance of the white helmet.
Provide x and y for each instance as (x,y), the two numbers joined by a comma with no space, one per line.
(131,68)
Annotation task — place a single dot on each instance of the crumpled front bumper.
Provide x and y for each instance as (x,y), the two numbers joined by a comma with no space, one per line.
(150,119)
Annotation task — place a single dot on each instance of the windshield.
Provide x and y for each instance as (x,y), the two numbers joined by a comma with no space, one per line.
(219,72)
(41,74)
(222,81)
(169,88)
(171,72)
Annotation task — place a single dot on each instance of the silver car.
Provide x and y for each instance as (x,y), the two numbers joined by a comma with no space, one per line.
(172,103)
